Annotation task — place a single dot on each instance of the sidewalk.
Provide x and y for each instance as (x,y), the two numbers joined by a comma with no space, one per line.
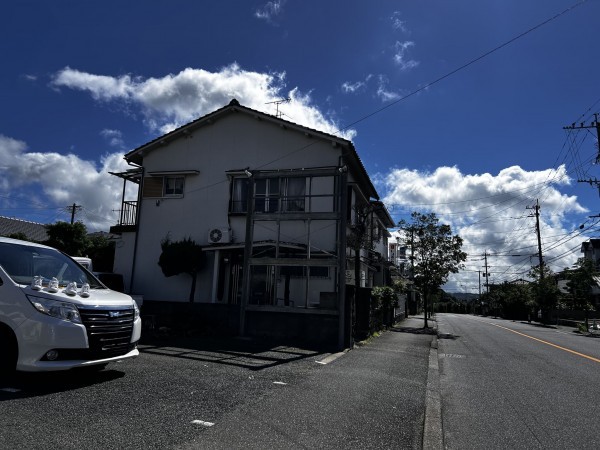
(374,396)
(432,428)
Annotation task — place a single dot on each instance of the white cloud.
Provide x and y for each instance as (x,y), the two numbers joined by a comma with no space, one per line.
(64,180)
(399,24)
(176,99)
(400,57)
(490,212)
(270,10)
(114,138)
(350,88)
(385,94)
(100,86)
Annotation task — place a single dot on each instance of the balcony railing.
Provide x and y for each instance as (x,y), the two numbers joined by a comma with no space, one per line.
(128,213)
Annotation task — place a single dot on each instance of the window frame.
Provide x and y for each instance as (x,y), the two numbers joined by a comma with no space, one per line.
(270,196)
(177,190)
(155,186)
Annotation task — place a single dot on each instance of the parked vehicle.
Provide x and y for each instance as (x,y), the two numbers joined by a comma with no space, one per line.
(84,261)
(54,315)
(111,280)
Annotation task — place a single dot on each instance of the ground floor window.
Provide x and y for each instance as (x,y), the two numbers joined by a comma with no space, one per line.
(291,286)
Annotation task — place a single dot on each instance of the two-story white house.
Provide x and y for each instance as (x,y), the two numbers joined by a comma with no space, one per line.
(270,202)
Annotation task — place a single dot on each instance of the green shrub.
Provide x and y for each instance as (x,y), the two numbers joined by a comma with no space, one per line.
(384,296)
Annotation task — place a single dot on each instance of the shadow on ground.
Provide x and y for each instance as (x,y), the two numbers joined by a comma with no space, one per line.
(253,354)
(447,336)
(25,384)
(413,330)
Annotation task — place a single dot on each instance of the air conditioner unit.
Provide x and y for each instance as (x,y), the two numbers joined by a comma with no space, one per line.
(219,236)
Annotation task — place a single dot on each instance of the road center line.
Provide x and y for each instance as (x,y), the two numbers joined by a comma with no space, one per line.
(591,358)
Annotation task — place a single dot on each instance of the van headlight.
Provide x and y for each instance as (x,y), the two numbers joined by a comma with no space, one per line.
(136,311)
(56,308)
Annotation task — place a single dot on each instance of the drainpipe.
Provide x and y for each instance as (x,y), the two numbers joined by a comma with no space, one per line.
(343,324)
(137,231)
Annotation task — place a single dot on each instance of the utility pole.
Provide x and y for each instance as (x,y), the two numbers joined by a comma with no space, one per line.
(75,207)
(536,207)
(486,274)
(595,124)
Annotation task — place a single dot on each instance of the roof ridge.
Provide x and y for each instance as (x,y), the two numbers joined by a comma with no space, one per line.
(21,220)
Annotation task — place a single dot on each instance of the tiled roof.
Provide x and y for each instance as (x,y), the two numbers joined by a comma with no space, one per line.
(34,231)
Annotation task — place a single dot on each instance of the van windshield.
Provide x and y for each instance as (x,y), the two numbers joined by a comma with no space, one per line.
(23,262)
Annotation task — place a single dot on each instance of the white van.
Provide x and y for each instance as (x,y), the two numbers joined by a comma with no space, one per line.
(56,316)
(84,261)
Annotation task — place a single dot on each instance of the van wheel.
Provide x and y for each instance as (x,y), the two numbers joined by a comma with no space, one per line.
(9,354)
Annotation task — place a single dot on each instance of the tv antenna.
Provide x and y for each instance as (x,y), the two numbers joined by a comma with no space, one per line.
(278,114)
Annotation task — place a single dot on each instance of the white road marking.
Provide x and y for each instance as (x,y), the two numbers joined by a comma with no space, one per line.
(280,383)
(203,423)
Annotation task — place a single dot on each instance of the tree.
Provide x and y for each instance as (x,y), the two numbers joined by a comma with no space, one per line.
(384,300)
(102,252)
(580,281)
(509,300)
(545,290)
(70,238)
(179,257)
(20,235)
(435,253)
(74,241)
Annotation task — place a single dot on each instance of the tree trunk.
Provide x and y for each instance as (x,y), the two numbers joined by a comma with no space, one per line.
(425,301)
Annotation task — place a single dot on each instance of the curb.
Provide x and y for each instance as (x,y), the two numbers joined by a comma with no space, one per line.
(433,438)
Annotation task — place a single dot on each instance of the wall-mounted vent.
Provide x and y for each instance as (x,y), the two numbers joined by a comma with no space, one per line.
(219,236)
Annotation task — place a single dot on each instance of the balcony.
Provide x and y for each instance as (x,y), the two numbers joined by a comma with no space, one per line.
(127,219)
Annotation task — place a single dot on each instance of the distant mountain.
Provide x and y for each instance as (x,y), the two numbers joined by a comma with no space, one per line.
(464,297)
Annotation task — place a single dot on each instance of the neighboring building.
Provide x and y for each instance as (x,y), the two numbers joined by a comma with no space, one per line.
(262,196)
(398,254)
(379,256)
(410,302)
(33,231)
(591,251)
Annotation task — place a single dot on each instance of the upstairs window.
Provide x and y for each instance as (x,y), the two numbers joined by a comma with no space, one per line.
(239,195)
(266,195)
(270,195)
(165,186)
(294,191)
(173,186)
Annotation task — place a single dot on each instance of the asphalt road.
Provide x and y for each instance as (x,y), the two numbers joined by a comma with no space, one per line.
(514,385)
(203,393)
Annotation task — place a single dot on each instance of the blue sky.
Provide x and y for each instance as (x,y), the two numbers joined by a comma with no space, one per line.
(84,82)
